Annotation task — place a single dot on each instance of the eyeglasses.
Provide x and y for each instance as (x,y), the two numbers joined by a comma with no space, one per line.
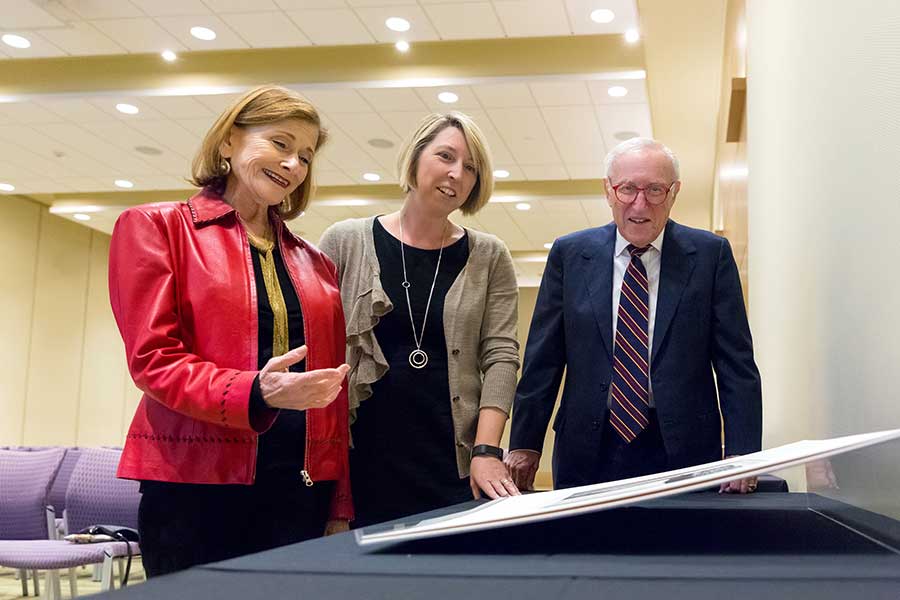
(655,193)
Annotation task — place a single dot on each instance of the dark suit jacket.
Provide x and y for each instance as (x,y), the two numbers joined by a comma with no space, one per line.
(700,326)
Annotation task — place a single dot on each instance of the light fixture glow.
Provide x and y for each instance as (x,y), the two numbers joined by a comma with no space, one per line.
(602,15)
(548,245)
(7,187)
(397,24)
(16,41)
(402,46)
(732,172)
(501,173)
(523,206)
(203,33)
(169,56)
(128,109)
(617,91)
(81,217)
(448,97)
(371,176)
(124,183)
(632,36)
(68,209)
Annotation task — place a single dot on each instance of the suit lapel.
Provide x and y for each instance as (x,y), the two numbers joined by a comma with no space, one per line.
(674,273)
(599,276)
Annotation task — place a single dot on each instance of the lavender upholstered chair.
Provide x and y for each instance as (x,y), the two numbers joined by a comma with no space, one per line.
(94,496)
(57,498)
(25,480)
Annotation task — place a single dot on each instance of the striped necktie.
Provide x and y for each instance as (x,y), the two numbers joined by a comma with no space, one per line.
(630,406)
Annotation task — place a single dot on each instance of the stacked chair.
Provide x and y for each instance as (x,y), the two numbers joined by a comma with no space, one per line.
(93,497)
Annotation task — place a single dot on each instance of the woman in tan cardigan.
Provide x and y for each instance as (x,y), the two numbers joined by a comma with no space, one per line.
(431,333)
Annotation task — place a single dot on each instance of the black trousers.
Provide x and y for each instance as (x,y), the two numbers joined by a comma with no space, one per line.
(645,455)
(183,525)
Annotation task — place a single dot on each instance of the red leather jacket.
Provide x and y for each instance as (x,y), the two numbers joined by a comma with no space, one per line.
(184,297)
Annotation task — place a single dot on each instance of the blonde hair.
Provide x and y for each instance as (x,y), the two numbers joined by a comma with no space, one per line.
(429,128)
(263,105)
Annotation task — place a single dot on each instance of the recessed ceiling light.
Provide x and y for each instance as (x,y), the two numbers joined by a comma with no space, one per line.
(523,206)
(448,97)
(397,24)
(7,187)
(381,143)
(402,46)
(602,15)
(371,176)
(632,35)
(625,135)
(203,33)
(128,109)
(169,56)
(16,41)
(617,91)
(124,183)
(548,245)
(81,217)
(501,173)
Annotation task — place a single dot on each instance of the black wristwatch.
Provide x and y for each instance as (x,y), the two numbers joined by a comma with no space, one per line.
(487,450)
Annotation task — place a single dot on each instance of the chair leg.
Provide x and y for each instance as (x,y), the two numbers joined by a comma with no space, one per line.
(54,590)
(73,583)
(36,581)
(98,573)
(106,582)
(23,575)
(120,568)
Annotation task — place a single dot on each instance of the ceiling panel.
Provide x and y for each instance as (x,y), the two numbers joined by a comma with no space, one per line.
(170,136)
(240,6)
(139,35)
(267,29)
(637,91)
(393,99)
(619,122)
(575,132)
(503,158)
(179,107)
(529,18)
(553,172)
(82,39)
(374,17)
(466,101)
(40,48)
(404,123)
(337,101)
(367,126)
(25,15)
(501,95)
(525,134)
(325,27)
(172,8)
(468,20)
(180,27)
(102,9)
(24,113)
(580,16)
(560,93)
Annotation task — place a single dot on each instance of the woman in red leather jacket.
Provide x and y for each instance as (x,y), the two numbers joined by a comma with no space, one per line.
(234,331)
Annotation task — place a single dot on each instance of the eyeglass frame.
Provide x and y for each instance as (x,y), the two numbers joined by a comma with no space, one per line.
(615,189)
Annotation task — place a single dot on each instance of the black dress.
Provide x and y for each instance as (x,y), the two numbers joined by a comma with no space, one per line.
(186,524)
(403,459)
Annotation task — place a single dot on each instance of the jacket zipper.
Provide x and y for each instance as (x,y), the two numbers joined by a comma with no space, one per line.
(246,246)
(304,473)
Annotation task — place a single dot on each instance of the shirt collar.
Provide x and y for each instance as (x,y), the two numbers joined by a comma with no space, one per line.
(622,243)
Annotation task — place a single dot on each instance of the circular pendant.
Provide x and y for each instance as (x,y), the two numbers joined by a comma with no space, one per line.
(418,359)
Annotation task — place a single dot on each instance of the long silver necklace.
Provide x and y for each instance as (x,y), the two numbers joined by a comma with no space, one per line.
(418,358)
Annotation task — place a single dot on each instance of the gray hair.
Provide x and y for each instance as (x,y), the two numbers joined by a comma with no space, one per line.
(636,144)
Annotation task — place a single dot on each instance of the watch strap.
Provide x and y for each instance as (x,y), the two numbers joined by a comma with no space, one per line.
(487,450)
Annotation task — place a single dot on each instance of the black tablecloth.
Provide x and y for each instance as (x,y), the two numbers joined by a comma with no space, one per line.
(690,546)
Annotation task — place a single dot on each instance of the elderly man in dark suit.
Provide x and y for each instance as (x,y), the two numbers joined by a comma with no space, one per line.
(641,314)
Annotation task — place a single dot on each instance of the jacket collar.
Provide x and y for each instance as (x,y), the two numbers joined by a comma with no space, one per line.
(208,206)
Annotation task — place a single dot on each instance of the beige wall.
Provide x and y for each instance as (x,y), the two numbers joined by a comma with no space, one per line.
(823,131)
(62,371)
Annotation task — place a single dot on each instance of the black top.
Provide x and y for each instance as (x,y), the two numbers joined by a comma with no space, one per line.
(404,459)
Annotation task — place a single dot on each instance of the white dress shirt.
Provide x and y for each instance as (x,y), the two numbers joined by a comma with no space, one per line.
(651,260)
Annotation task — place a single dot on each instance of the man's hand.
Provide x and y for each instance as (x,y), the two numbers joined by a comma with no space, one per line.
(747,485)
(490,475)
(523,465)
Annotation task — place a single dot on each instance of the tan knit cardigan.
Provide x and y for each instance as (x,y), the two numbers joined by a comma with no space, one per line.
(480,319)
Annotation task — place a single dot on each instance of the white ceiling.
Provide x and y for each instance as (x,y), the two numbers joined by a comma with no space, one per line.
(91,27)
(549,127)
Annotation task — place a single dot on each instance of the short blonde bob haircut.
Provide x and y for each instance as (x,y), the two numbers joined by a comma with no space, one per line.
(263,105)
(429,128)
